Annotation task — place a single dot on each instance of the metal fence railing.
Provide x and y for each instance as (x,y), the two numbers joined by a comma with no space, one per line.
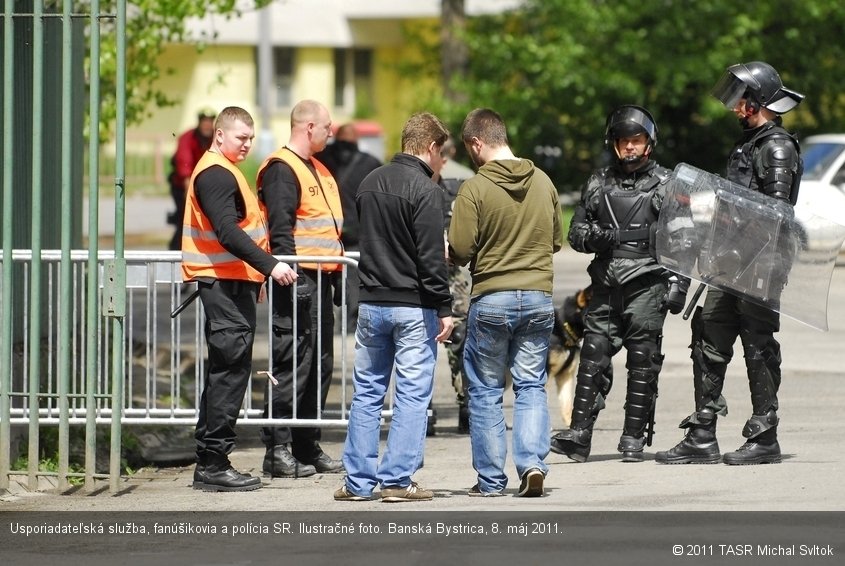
(64,87)
(161,374)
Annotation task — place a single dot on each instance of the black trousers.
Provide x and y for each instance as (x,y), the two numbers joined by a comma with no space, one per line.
(178,194)
(229,331)
(305,387)
(724,317)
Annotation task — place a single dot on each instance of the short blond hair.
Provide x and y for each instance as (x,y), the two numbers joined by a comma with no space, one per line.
(420,130)
(231,114)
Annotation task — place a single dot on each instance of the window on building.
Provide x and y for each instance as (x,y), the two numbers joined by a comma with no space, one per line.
(353,78)
(283,67)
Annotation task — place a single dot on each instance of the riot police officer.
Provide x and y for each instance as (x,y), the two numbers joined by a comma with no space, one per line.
(766,159)
(615,220)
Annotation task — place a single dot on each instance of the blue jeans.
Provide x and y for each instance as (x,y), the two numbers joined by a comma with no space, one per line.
(388,338)
(508,330)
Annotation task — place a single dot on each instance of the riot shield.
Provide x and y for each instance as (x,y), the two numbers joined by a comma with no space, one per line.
(748,244)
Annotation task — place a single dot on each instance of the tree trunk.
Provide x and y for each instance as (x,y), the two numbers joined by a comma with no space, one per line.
(453,50)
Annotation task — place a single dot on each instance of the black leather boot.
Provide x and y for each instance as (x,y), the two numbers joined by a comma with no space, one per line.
(631,448)
(699,446)
(321,461)
(199,472)
(644,362)
(761,447)
(754,452)
(592,385)
(218,475)
(280,463)
(574,443)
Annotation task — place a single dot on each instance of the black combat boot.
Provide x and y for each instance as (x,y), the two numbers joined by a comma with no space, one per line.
(592,384)
(631,448)
(199,472)
(217,474)
(280,463)
(699,446)
(574,443)
(762,446)
(313,455)
(644,362)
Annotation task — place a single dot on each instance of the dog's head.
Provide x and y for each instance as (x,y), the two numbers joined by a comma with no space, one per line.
(569,318)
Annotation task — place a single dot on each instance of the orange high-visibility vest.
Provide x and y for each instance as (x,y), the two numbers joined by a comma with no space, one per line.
(202,253)
(319,218)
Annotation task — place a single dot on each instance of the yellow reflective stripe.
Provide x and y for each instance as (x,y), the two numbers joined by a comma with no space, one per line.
(257,232)
(317,242)
(197,234)
(314,223)
(207,259)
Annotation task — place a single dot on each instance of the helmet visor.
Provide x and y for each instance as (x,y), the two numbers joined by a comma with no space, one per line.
(729,90)
(628,121)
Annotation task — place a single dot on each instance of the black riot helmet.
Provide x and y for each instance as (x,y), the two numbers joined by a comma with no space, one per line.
(760,84)
(627,121)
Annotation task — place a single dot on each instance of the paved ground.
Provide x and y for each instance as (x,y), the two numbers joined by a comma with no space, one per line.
(808,480)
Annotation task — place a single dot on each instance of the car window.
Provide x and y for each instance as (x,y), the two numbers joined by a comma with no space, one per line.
(818,157)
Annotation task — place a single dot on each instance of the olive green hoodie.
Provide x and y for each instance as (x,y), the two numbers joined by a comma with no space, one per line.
(506,225)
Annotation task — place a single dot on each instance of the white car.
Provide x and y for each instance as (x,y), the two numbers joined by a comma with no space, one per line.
(823,184)
(822,189)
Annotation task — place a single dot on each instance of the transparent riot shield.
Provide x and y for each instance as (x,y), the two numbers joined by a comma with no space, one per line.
(748,244)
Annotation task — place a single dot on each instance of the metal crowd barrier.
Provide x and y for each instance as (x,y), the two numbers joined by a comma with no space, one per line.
(164,357)
(158,347)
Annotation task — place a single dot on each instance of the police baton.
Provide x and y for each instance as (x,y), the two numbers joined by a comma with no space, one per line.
(694,300)
(191,298)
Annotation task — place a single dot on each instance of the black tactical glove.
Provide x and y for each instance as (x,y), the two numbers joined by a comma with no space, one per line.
(676,296)
(599,239)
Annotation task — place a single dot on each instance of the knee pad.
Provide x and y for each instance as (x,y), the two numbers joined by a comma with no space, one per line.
(644,356)
(595,358)
(596,348)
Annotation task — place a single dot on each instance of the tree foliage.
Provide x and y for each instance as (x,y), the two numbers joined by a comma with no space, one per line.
(150,26)
(555,68)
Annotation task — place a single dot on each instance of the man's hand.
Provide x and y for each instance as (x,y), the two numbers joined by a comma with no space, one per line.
(262,293)
(283,274)
(446,326)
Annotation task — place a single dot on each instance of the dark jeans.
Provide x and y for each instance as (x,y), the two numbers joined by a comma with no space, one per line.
(302,390)
(229,331)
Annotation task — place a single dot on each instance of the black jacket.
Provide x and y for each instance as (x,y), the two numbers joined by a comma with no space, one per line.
(348,165)
(402,240)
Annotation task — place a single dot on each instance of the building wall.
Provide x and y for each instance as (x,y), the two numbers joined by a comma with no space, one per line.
(223,75)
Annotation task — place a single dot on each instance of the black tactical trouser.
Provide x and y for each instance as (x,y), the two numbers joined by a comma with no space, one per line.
(229,332)
(626,316)
(303,395)
(716,326)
